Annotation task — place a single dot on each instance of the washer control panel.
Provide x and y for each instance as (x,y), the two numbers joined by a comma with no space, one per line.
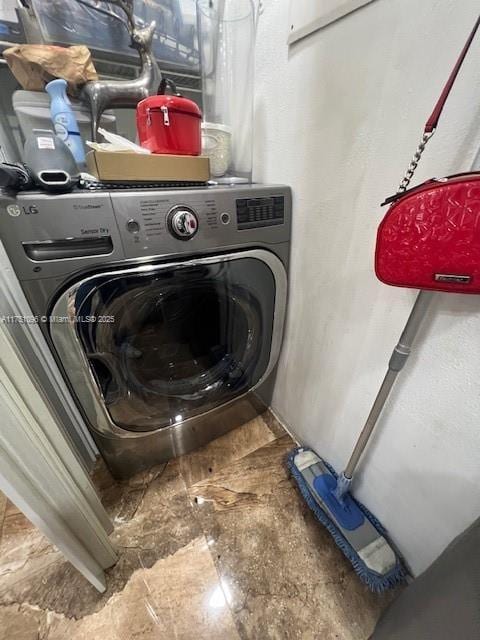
(194,220)
(182,222)
(52,235)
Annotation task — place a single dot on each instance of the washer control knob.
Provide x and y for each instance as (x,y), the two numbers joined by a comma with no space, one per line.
(182,223)
(133,226)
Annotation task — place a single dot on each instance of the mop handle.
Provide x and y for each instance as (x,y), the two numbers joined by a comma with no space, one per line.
(397,361)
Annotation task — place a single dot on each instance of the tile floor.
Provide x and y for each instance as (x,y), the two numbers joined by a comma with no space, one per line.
(217,545)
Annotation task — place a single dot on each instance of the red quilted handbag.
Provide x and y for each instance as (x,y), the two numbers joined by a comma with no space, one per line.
(430,235)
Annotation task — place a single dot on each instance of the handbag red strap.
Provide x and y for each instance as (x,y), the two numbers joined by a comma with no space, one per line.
(432,121)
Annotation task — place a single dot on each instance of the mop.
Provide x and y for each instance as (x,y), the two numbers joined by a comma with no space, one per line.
(356,531)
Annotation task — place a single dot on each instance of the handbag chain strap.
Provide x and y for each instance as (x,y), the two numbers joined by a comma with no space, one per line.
(414,162)
(432,121)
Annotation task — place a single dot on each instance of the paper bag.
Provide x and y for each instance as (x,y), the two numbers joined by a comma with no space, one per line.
(34,65)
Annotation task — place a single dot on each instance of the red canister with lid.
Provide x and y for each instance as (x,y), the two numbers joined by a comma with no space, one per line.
(169,123)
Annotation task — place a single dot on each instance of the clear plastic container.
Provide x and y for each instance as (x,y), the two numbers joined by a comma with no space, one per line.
(226,33)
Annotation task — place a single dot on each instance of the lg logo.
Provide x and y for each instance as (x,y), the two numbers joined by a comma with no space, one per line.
(15,210)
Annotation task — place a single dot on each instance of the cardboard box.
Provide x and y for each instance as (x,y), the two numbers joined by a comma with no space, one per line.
(126,166)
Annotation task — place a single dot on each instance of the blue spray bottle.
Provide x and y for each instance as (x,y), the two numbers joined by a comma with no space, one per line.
(63,118)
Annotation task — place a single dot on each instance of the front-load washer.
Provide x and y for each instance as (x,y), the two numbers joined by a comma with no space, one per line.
(163,308)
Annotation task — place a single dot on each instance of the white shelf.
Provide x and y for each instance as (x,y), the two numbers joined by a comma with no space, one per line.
(307,16)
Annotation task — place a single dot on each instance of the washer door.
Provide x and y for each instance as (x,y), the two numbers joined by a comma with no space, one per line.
(164,343)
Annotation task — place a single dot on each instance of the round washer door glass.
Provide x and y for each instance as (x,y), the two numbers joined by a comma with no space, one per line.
(172,341)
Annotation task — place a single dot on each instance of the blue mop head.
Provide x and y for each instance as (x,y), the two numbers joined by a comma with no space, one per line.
(377,582)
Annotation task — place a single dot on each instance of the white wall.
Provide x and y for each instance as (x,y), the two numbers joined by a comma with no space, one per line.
(338,117)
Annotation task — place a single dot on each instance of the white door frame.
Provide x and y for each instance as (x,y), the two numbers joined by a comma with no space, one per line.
(39,470)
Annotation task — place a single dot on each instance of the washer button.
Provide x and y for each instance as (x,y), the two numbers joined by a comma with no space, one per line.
(133,226)
(225,218)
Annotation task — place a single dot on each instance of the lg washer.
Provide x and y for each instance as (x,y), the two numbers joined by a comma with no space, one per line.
(163,308)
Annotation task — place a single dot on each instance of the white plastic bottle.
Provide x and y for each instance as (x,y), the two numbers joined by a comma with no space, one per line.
(63,118)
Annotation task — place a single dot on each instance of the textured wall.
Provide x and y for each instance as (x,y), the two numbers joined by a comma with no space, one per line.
(338,117)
